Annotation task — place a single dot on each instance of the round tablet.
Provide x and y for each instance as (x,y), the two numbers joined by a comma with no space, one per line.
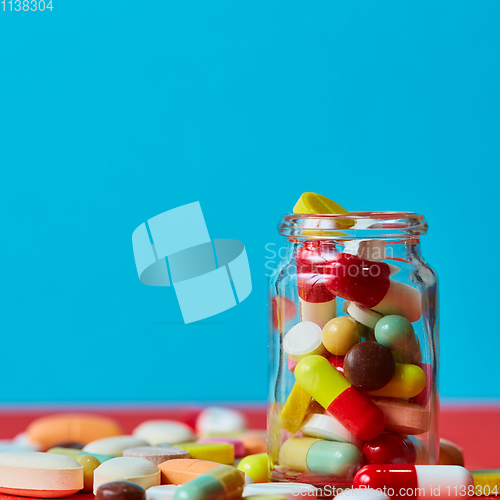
(41,475)
(120,490)
(369,366)
(364,315)
(340,334)
(114,446)
(302,340)
(132,469)
(216,419)
(156,454)
(157,432)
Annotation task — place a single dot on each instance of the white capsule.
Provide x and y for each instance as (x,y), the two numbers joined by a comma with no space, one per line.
(401,299)
(318,312)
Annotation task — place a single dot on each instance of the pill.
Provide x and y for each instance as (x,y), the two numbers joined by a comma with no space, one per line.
(164,492)
(283,310)
(327,427)
(369,366)
(315,257)
(405,479)
(450,453)
(311,288)
(319,456)
(182,470)
(256,467)
(313,203)
(339,335)
(132,469)
(337,362)
(363,315)
(89,465)
(10,445)
(113,446)
(397,333)
(41,475)
(156,454)
(291,364)
(222,453)
(289,491)
(157,432)
(423,397)
(25,442)
(255,442)
(120,490)
(336,394)
(320,313)
(294,411)
(390,448)
(80,428)
(404,417)
(69,444)
(371,249)
(71,452)
(222,483)
(408,381)
(239,447)
(487,482)
(303,339)
(219,419)
(403,300)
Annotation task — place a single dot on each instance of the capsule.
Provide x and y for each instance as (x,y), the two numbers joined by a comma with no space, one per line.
(222,483)
(407,382)
(440,481)
(307,454)
(334,392)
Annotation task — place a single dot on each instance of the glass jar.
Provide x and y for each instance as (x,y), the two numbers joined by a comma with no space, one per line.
(353,347)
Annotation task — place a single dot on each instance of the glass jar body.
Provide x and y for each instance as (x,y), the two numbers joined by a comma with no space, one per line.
(353,357)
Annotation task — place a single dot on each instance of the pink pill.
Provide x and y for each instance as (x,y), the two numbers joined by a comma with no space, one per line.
(291,364)
(239,447)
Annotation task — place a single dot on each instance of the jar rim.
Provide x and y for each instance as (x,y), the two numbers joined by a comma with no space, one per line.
(354,225)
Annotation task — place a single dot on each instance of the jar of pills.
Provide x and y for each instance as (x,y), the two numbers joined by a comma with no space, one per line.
(353,347)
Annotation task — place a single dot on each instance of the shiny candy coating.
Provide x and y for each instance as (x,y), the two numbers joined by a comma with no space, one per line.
(256,467)
(390,448)
(89,464)
(339,335)
(408,381)
(120,490)
(369,366)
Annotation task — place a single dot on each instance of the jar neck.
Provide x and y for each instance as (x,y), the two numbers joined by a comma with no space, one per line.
(397,227)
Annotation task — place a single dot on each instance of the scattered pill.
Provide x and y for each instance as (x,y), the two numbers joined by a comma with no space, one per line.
(222,453)
(450,453)
(327,427)
(132,469)
(289,491)
(219,419)
(404,417)
(295,409)
(397,333)
(164,492)
(256,467)
(69,444)
(408,381)
(339,335)
(239,447)
(222,483)
(120,490)
(255,442)
(369,366)
(156,454)
(80,428)
(336,394)
(428,478)
(182,470)
(486,482)
(41,475)
(89,464)
(157,432)
(365,316)
(114,446)
(303,339)
(390,448)
(313,203)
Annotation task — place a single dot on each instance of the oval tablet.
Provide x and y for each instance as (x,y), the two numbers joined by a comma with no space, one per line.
(120,490)
(156,454)
(113,446)
(404,417)
(132,469)
(217,419)
(41,475)
(157,432)
(303,339)
(364,315)
(79,428)
(180,471)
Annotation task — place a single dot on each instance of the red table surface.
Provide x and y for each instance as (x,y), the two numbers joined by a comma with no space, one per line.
(474,428)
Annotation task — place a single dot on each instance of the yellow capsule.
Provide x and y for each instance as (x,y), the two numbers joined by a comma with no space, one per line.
(293,413)
(320,379)
(408,381)
(90,464)
(222,453)
(256,467)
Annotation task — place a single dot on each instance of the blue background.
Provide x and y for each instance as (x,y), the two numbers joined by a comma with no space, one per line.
(113,112)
